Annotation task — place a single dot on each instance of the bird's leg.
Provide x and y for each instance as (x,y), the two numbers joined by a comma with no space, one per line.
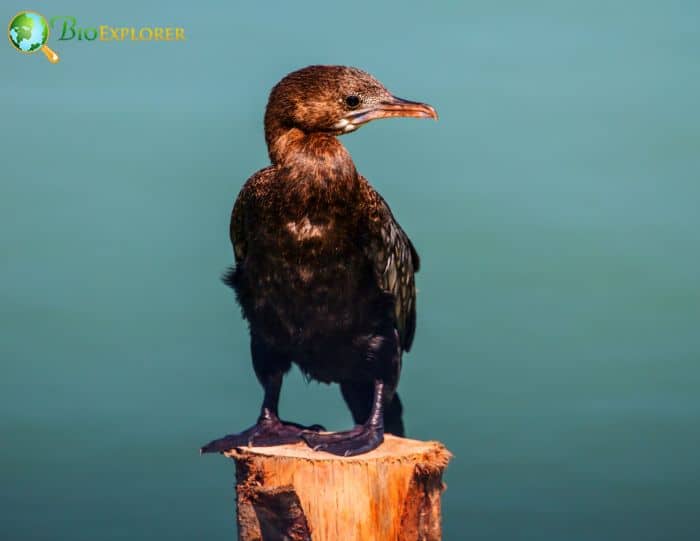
(358,396)
(383,357)
(269,430)
(361,439)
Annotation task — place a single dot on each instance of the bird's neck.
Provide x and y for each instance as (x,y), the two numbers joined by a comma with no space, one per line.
(311,157)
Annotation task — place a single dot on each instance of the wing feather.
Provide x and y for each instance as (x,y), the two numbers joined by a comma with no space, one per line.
(395,262)
(254,190)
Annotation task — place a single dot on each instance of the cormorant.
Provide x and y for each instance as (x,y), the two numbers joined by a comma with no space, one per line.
(323,272)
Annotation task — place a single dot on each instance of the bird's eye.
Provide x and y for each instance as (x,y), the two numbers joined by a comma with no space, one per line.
(352,101)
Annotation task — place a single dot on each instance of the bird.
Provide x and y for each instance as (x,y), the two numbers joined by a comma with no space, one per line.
(324,274)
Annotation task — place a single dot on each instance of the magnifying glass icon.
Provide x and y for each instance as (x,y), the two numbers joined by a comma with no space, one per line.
(28,32)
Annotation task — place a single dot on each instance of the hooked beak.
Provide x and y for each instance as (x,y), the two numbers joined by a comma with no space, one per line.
(392,107)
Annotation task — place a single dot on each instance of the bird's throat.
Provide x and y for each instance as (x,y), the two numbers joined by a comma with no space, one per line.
(311,157)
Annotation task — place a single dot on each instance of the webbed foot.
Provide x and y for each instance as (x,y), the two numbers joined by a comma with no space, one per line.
(359,440)
(265,433)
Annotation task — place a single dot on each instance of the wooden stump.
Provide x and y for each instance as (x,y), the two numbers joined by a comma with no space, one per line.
(292,493)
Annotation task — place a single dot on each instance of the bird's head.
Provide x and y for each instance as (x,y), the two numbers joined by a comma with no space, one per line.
(334,100)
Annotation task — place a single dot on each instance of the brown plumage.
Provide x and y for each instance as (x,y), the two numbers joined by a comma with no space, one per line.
(324,273)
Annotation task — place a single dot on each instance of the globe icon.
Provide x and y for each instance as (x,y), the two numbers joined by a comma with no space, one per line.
(28,32)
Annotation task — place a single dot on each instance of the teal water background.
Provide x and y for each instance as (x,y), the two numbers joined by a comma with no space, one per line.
(556,207)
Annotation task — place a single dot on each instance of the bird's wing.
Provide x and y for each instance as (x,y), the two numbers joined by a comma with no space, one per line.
(395,263)
(237,230)
(256,187)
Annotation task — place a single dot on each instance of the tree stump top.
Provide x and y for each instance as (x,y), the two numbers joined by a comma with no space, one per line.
(393,449)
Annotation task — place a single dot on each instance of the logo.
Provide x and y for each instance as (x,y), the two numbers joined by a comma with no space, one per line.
(28,32)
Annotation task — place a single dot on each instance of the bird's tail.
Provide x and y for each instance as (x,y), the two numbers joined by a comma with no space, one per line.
(229,277)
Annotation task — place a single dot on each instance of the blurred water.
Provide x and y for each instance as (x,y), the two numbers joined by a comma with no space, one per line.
(555,207)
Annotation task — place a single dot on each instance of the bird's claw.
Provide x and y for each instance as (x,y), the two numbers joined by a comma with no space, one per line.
(359,440)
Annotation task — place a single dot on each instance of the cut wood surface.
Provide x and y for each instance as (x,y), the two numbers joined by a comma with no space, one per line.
(291,492)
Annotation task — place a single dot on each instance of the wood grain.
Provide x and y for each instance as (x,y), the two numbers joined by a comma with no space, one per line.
(293,493)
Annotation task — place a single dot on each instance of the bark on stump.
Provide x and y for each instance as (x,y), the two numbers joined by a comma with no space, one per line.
(291,493)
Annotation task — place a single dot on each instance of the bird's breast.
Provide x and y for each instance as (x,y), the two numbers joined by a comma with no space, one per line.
(306,277)
(304,229)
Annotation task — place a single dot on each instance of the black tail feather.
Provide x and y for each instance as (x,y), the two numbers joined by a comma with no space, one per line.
(229,277)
